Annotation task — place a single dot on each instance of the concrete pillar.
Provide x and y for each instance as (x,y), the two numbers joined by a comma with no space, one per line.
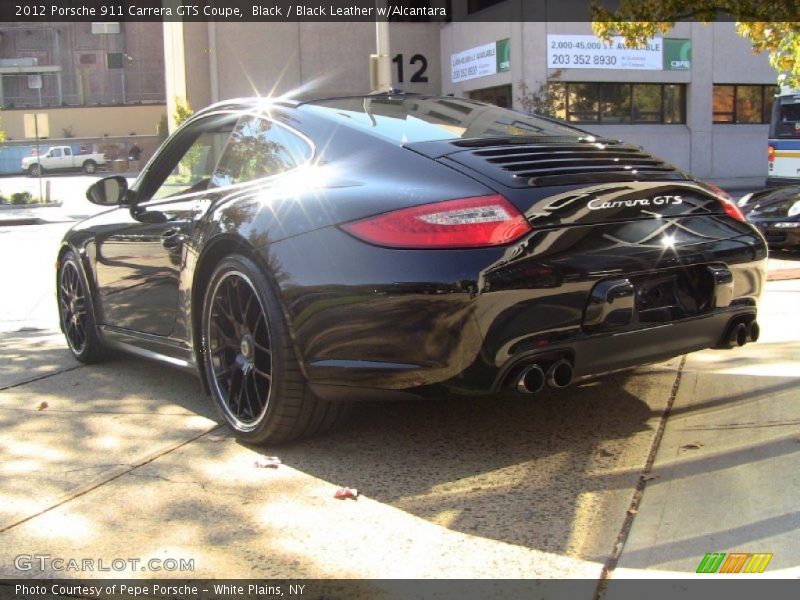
(174,68)
(699,101)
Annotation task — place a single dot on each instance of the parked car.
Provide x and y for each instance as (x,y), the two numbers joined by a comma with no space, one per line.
(61,158)
(302,255)
(776,214)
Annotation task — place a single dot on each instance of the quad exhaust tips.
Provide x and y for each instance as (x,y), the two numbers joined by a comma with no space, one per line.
(741,333)
(533,377)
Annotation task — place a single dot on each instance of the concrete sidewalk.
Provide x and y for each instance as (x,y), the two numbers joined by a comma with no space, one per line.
(126,459)
(727,471)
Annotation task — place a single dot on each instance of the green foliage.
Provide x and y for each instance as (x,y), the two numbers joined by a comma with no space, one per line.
(22,198)
(772,26)
(2,132)
(183,111)
(549,99)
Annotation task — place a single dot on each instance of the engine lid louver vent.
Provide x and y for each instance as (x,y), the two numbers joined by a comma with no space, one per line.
(531,165)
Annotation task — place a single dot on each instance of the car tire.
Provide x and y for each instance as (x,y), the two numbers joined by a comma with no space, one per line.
(89,167)
(76,311)
(250,363)
(35,170)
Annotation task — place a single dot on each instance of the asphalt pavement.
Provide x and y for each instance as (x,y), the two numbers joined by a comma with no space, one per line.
(638,474)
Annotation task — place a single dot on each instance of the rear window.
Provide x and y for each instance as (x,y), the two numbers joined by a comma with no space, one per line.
(420,119)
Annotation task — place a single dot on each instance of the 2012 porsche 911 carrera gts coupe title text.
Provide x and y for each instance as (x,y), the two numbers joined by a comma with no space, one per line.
(302,255)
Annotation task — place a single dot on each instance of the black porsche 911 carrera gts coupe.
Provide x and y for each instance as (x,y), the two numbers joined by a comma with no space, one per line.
(776,214)
(302,255)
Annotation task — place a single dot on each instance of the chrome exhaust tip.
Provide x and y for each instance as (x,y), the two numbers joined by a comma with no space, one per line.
(531,380)
(559,375)
(737,336)
(753,331)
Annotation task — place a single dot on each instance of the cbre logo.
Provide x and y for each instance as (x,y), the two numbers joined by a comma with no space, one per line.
(735,562)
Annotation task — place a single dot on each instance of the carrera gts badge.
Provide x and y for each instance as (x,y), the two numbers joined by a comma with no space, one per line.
(598,204)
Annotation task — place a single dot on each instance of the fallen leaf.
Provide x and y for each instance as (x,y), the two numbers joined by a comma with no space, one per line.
(692,446)
(345,493)
(268,462)
(42,405)
(632,511)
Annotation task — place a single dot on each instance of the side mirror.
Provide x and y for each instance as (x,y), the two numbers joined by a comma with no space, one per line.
(109,191)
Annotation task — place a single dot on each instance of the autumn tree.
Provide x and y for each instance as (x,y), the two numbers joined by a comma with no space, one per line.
(772,26)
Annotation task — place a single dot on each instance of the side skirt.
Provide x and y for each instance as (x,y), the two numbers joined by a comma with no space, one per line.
(173,352)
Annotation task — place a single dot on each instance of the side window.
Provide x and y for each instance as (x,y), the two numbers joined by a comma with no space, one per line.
(193,171)
(56,152)
(67,151)
(259,148)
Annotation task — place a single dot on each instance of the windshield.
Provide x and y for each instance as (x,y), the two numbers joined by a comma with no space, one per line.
(786,119)
(421,119)
(782,202)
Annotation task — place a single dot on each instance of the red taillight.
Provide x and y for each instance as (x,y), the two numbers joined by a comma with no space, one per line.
(718,191)
(728,205)
(464,223)
(733,211)
(771,154)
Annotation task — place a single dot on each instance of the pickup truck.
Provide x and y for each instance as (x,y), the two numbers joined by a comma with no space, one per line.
(61,157)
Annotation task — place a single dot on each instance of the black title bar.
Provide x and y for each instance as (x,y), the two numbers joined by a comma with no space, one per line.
(330,10)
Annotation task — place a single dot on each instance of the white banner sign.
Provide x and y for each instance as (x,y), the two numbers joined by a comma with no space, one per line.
(473,63)
(590,52)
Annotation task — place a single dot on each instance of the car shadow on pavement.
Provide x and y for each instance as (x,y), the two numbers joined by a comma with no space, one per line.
(526,471)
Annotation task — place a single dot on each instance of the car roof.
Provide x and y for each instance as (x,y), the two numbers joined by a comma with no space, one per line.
(296,101)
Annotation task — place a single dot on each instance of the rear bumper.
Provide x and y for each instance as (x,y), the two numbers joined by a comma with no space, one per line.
(779,181)
(464,319)
(788,238)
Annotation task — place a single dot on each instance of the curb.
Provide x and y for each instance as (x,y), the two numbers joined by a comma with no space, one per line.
(783,275)
(20,221)
(29,206)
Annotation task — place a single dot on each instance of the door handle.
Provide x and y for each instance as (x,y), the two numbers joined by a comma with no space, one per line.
(172,239)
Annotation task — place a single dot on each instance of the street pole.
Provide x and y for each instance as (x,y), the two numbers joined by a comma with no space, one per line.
(383,66)
(38,156)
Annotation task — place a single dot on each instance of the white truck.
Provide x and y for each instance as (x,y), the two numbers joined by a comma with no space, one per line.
(61,158)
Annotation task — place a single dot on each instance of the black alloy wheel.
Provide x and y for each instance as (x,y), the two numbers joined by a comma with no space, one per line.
(240,350)
(75,311)
(249,360)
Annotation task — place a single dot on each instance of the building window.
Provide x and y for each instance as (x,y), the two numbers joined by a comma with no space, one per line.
(735,103)
(105,28)
(114,60)
(499,96)
(616,103)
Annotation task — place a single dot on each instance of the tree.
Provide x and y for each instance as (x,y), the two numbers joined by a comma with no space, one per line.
(548,99)
(772,26)
(183,111)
